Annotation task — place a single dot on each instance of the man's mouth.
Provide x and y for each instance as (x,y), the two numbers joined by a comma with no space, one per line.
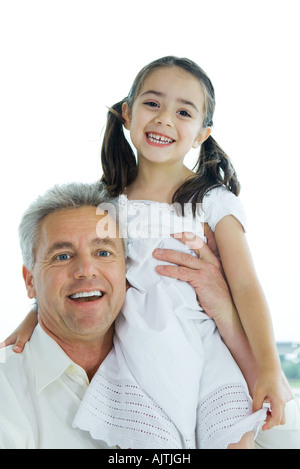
(82,297)
(159,139)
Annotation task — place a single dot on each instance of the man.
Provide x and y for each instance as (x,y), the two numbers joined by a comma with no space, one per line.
(79,282)
(77,276)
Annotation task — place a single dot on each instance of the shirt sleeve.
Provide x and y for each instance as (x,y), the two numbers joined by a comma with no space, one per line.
(220,202)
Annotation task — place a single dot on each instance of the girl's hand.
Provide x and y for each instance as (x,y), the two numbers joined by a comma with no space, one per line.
(272,387)
(23,333)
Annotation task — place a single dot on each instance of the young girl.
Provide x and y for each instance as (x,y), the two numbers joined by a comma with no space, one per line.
(165,344)
(170,381)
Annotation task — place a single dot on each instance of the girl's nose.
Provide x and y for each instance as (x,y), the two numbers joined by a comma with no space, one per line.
(164,118)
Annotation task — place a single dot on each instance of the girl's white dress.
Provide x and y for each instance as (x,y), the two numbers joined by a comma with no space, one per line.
(169,382)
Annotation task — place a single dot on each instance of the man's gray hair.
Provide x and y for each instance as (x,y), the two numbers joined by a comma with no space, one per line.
(68,196)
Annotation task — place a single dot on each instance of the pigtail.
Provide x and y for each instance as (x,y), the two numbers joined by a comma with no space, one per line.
(117,157)
(215,165)
(213,169)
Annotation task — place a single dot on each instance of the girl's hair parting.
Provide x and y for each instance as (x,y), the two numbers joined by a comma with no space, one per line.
(213,167)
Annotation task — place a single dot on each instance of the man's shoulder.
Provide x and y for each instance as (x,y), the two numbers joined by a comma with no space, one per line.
(9,358)
(11,363)
(7,355)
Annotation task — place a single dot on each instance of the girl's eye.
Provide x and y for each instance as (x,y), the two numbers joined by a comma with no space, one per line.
(103,254)
(151,104)
(63,257)
(184,113)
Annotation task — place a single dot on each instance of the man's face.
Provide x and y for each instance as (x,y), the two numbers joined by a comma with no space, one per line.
(78,277)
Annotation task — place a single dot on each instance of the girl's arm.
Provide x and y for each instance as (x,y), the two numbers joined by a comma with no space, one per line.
(23,332)
(254,314)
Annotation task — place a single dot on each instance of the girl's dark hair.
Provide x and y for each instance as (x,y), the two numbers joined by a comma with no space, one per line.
(119,164)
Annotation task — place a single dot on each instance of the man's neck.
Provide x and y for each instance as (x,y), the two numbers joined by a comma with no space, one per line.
(88,354)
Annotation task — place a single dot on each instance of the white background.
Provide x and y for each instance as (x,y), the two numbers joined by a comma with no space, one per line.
(64,61)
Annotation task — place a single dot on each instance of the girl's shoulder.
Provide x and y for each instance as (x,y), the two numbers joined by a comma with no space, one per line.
(219,202)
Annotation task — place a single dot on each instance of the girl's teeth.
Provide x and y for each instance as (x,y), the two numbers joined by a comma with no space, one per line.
(159,138)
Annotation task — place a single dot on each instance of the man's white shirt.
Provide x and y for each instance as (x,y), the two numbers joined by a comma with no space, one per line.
(40,392)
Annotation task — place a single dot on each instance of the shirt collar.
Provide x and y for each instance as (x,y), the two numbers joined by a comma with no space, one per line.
(49,359)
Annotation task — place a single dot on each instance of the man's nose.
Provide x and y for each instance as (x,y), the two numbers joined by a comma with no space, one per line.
(86,267)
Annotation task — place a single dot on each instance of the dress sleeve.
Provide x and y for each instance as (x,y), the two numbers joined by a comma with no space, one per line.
(219,202)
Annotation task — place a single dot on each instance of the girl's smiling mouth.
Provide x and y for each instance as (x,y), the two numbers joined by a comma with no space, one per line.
(158,139)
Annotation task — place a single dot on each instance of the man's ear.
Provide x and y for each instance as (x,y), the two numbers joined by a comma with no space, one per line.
(204,134)
(126,115)
(29,282)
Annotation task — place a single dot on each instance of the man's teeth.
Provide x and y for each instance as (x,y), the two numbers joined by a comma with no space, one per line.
(159,139)
(86,294)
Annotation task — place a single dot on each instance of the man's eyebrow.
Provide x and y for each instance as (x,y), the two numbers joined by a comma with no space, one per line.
(59,246)
(106,241)
(179,100)
(67,245)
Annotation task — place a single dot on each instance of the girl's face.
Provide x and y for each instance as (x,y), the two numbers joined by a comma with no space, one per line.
(167,116)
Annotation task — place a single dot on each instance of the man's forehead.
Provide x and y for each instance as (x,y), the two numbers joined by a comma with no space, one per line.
(65,226)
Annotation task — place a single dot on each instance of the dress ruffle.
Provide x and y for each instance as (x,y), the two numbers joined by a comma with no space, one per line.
(121,413)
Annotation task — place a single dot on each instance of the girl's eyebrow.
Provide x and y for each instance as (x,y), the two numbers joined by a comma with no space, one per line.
(179,100)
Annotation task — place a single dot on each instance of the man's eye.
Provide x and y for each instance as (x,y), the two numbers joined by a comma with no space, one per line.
(104,254)
(63,257)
